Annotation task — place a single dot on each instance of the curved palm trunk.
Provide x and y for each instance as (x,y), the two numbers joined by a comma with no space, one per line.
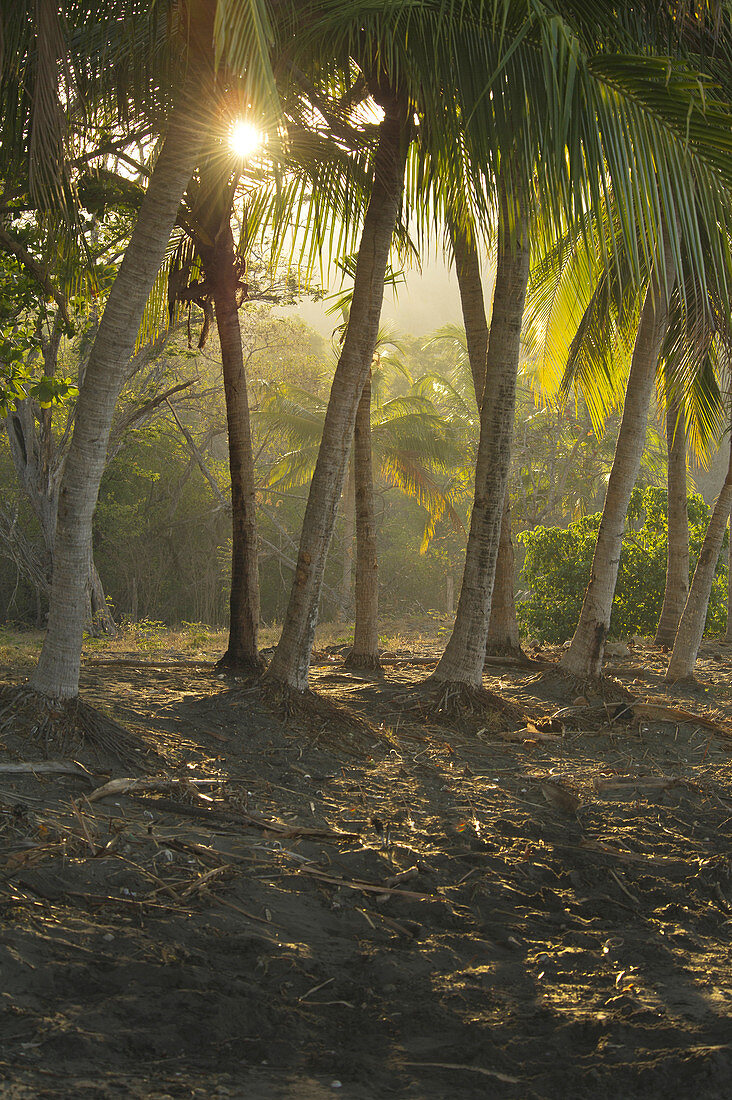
(365,652)
(694,617)
(584,656)
(677,561)
(464,654)
(242,651)
(291,659)
(470,285)
(503,634)
(57,674)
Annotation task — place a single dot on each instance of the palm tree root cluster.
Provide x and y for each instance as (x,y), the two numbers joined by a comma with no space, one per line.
(463,703)
(234,665)
(328,723)
(567,686)
(362,662)
(67,728)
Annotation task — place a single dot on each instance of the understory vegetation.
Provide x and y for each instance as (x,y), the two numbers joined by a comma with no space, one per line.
(161,530)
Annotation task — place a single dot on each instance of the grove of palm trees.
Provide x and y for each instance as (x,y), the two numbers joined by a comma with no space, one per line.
(365,565)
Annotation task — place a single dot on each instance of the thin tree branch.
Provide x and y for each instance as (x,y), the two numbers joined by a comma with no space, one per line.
(9,244)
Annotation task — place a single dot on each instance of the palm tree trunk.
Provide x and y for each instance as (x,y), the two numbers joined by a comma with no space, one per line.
(57,673)
(464,655)
(503,634)
(242,653)
(584,656)
(365,652)
(677,561)
(291,659)
(102,621)
(728,632)
(694,617)
(470,285)
(349,520)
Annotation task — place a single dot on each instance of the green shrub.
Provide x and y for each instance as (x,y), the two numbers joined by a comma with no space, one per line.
(557,567)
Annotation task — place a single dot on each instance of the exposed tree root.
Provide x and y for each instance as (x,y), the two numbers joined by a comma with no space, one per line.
(566,686)
(515,659)
(68,728)
(361,662)
(238,665)
(684,685)
(328,722)
(459,703)
(513,652)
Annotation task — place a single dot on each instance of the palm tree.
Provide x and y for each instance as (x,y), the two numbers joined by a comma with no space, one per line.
(57,674)
(678,176)
(415,445)
(677,564)
(585,654)
(503,634)
(464,656)
(291,659)
(364,654)
(206,217)
(594,366)
(691,625)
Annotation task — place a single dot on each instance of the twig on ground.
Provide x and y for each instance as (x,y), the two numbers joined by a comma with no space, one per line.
(47,767)
(367,887)
(473,1069)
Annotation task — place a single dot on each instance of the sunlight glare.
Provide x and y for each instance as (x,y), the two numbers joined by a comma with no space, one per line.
(245,139)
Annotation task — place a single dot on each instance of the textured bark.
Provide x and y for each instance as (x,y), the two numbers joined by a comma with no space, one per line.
(470,285)
(694,617)
(57,674)
(677,561)
(728,632)
(584,656)
(242,651)
(102,621)
(464,654)
(503,633)
(349,520)
(365,651)
(291,660)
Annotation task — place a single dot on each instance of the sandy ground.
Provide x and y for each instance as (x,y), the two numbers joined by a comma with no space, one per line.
(411,906)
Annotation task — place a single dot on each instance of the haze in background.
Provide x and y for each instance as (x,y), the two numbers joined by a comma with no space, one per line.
(424,302)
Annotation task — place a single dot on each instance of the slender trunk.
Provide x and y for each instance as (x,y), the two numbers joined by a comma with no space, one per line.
(677,561)
(470,285)
(584,656)
(365,652)
(694,617)
(57,674)
(102,621)
(728,632)
(349,520)
(291,659)
(242,652)
(450,595)
(503,634)
(464,654)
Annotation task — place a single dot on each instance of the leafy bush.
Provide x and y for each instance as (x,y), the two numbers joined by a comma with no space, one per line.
(557,567)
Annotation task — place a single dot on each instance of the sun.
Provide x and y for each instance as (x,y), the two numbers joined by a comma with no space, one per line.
(245,139)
